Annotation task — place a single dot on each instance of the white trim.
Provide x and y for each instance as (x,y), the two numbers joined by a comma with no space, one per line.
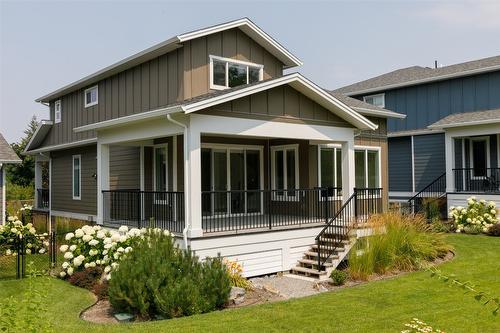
(141,167)
(4,207)
(62,146)
(380,113)
(40,125)
(79,158)
(464,124)
(374,96)
(412,163)
(57,119)
(399,134)
(96,87)
(426,80)
(76,216)
(471,154)
(284,149)
(174,163)
(231,61)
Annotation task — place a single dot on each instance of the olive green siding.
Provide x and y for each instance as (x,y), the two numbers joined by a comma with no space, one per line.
(62,186)
(124,168)
(178,75)
(282,103)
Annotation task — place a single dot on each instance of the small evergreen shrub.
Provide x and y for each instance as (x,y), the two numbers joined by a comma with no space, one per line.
(159,278)
(101,290)
(87,278)
(338,277)
(494,230)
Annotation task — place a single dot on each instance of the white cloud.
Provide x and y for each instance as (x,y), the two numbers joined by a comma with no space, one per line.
(476,14)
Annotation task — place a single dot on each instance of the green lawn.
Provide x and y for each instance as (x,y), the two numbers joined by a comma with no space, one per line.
(381,306)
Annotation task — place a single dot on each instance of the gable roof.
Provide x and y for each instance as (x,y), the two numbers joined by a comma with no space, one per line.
(41,131)
(417,75)
(366,109)
(7,154)
(468,119)
(295,80)
(244,24)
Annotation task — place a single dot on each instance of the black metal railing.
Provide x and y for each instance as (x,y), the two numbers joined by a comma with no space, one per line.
(42,198)
(421,201)
(270,209)
(363,203)
(479,180)
(139,209)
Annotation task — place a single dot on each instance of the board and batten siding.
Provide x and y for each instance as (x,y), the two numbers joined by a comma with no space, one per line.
(124,168)
(427,103)
(429,159)
(172,77)
(62,186)
(400,164)
(278,104)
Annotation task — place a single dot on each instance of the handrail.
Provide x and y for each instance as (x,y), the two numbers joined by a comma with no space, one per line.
(440,190)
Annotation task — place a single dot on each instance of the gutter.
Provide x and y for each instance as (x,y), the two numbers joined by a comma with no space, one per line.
(186,176)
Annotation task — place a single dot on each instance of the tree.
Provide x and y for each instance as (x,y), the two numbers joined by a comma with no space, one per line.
(23,174)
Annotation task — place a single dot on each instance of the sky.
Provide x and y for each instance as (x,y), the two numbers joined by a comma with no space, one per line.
(46,45)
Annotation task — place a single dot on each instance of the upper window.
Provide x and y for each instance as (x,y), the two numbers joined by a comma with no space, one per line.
(77,176)
(227,73)
(57,111)
(377,100)
(91,96)
(366,168)
(285,169)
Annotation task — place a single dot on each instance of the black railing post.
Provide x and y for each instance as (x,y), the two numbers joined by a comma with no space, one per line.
(355,194)
(139,209)
(269,216)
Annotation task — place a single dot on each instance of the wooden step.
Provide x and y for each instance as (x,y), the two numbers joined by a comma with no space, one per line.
(337,249)
(308,271)
(314,262)
(315,255)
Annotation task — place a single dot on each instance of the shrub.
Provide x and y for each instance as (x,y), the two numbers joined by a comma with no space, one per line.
(442,226)
(87,278)
(14,229)
(431,206)
(494,230)
(478,217)
(158,278)
(338,277)
(400,243)
(101,290)
(234,270)
(19,192)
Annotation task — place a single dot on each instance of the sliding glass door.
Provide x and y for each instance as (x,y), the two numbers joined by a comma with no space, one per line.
(231,180)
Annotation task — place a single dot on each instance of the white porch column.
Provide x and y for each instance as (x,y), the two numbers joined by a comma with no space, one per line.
(348,175)
(38,179)
(193,186)
(102,178)
(449,148)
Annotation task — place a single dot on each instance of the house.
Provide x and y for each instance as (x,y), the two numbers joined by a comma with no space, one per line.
(449,141)
(7,156)
(205,135)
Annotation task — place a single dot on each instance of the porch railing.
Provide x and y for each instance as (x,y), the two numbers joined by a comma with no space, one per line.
(139,209)
(480,180)
(269,209)
(432,193)
(42,198)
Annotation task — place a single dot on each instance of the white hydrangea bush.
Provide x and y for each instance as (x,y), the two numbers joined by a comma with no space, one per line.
(477,217)
(92,246)
(13,229)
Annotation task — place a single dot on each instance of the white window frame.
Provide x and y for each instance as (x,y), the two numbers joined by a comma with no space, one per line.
(471,154)
(284,196)
(164,146)
(335,147)
(373,96)
(96,87)
(79,158)
(379,161)
(57,111)
(233,61)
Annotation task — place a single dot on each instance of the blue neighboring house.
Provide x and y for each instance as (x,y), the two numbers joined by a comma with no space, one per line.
(449,141)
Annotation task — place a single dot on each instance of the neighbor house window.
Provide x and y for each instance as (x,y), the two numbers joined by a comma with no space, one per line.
(227,73)
(330,168)
(57,111)
(77,176)
(160,169)
(377,100)
(91,96)
(367,168)
(285,169)
(479,156)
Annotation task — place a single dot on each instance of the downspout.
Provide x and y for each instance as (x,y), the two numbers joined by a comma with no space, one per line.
(186,178)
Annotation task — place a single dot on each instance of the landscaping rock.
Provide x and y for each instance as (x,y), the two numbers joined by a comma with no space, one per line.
(124,317)
(237,295)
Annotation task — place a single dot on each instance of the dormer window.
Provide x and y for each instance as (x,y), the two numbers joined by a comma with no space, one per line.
(227,73)
(91,96)
(57,111)
(377,100)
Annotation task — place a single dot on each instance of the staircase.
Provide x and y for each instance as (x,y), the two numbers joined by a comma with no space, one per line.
(338,237)
(433,192)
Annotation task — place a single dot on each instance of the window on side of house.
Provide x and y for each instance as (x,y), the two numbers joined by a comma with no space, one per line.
(91,96)
(227,73)
(367,168)
(285,170)
(377,100)
(77,176)
(57,111)
(330,168)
